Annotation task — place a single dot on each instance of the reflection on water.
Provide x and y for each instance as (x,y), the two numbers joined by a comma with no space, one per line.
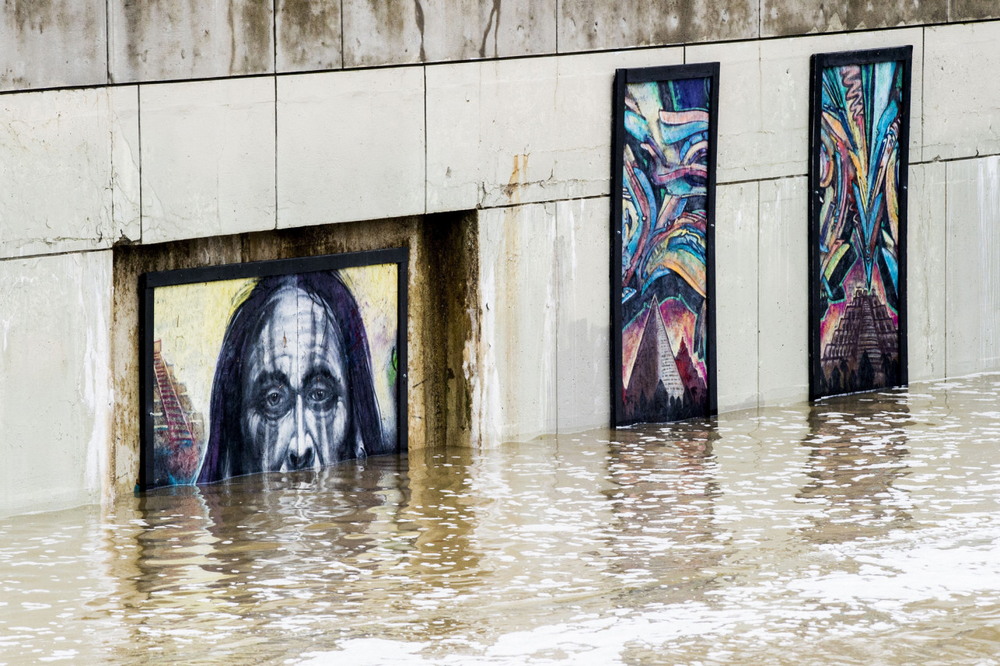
(857,530)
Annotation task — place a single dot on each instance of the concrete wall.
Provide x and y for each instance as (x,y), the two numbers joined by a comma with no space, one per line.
(125,122)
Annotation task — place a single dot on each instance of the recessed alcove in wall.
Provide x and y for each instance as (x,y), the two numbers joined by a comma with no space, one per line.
(443,306)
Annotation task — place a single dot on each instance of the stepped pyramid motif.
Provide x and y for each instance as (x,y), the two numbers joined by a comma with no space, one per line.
(866,337)
(178,430)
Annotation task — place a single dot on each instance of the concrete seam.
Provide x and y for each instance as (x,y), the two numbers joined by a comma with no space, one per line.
(107,41)
(760,393)
(947,225)
(426,144)
(557,3)
(923,79)
(275,151)
(61,253)
(516,57)
(142,187)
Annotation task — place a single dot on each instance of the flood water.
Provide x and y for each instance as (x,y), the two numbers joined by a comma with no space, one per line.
(858,530)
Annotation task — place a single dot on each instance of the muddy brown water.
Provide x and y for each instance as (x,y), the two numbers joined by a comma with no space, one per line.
(863,529)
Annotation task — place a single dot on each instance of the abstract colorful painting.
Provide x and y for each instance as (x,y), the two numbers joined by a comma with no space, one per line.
(857,209)
(273,366)
(662,238)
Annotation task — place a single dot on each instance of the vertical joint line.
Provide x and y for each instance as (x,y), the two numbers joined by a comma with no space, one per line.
(426,142)
(142,187)
(757,322)
(276,150)
(274,51)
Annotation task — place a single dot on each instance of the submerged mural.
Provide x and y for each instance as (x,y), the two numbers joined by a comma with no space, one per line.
(663,366)
(281,371)
(860,111)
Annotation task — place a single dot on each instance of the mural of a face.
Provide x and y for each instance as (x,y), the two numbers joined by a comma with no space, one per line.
(295,387)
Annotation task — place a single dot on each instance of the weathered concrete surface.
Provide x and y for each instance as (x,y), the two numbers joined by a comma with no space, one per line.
(800,17)
(973,268)
(308,35)
(736,298)
(380,33)
(967,10)
(179,39)
(926,238)
(783,292)
(583,313)
(125,159)
(49,43)
(441,328)
(516,385)
(56,166)
(764,99)
(207,158)
(55,390)
(961,102)
(523,130)
(350,146)
(586,25)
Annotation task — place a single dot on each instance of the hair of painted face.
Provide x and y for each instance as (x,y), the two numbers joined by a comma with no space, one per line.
(229,452)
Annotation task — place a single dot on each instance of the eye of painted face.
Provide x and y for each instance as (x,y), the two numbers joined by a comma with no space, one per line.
(321,392)
(273,398)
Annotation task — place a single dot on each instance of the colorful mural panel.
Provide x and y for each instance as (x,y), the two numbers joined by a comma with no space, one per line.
(859,147)
(272,366)
(663,365)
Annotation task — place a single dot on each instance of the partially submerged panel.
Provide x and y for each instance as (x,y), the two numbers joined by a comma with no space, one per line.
(857,210)
(662,265)
(272,366)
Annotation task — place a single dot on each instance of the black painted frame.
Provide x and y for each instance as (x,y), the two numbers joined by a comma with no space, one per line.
(623,77)
(818,63)
(149,282)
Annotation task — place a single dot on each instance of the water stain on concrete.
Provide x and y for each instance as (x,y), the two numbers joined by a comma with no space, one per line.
(308,35)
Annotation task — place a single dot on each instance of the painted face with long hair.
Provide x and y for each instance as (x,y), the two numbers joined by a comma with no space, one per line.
(293,386)
(296,390)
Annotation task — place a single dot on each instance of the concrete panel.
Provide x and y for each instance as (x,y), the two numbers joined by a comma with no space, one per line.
(382,33)
(961,114)
(583,351)
(519,131)
(967,10)
(517,384)
(124,104)
(586,25)
(798,17)
(926,271)
(308,35)
(736,306)
(350,146)
(178,39)
(55,393)
(53,43)
(764,99)
(973,266)
(55,161)
(783,292)
(207,158)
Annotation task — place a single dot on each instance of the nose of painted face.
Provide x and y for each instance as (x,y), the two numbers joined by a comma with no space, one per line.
(302,449)
(296,393)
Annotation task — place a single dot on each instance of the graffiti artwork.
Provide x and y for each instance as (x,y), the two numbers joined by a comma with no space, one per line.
(663,311)
(857,209)
(272,366)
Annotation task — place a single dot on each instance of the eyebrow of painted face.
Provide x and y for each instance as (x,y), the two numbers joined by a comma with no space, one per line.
(324,375)
(269,377)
